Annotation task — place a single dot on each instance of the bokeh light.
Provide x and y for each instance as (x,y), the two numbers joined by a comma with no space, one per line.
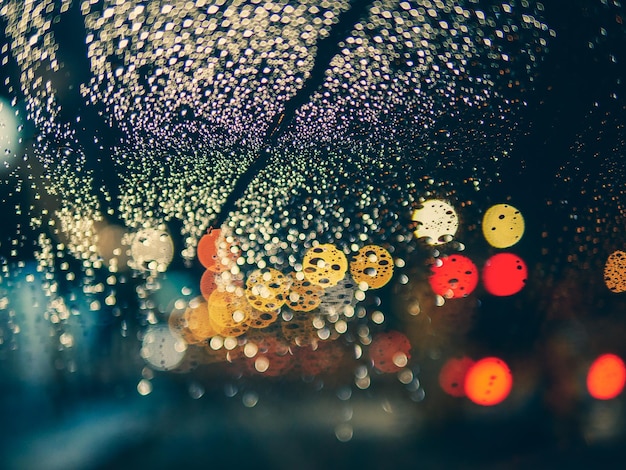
(504,274)
(606,377)
(341,298)
(503,225)
(9,132)
(197,320)
(437,221)
(372,265)
(303,296)
(228,313)
(162,348)
(323,358)
(273,357)
(452,375)
(325,265)
(488,382)
(456,276)
(266,289)
(151,249)
(208,283)
(300,329)
(207,248)
(390,351)
(615,271)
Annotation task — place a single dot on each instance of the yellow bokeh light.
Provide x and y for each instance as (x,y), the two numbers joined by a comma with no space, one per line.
(303,296)
(197,319)
(325,265)
(266,289)
(372,265)
(503,226)
(228,313)
(261,319)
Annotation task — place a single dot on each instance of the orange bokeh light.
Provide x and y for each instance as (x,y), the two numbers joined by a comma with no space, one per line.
(207,248)
(606,377)
(488,382)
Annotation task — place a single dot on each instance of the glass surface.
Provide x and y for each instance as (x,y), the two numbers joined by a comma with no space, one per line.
(312,234)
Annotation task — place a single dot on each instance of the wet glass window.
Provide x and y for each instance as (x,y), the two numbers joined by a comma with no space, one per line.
(312,234)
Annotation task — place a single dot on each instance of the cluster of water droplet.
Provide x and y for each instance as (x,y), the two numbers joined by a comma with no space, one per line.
(135,155)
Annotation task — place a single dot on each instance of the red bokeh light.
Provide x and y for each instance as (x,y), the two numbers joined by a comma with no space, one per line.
(456,277)
(326,358)
(390,351)
(207,284)
(452,375)
(504,274)
(273,358)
